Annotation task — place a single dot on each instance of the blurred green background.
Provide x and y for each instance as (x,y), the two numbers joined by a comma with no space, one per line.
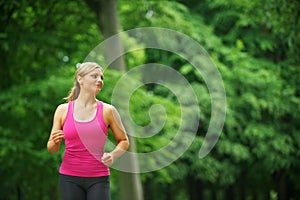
(255,45)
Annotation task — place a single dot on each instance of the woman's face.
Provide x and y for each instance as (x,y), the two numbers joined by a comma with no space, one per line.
(92,82)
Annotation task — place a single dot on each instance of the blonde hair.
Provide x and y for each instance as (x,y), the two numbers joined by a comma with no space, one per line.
(82,70)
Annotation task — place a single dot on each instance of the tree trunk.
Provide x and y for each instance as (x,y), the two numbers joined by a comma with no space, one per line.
(110,25)
(229,194)
(195,188)
(280,181)
(130,183)
(108,22)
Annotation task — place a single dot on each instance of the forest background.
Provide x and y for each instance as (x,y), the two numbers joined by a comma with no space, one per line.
(255,45)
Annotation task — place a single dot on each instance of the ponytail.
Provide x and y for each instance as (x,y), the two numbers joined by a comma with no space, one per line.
(74,92)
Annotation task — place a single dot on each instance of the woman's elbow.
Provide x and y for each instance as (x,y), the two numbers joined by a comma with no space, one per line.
(125,144)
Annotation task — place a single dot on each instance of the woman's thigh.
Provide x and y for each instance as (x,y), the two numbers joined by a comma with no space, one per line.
(99,189)
(70,188)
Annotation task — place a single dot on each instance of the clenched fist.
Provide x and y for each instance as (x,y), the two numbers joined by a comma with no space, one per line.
(57,136)
(107,159)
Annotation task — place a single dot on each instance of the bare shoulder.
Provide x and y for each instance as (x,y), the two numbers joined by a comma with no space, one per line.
(107,108)
(60,116)
(61,112)
(110,113)
(62,108)
(107,113)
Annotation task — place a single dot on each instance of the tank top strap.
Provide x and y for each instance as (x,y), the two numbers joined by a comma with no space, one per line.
(70,110)
(70,107)
(69,115)
(100,116)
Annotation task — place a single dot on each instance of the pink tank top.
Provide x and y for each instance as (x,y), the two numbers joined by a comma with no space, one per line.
(84,145)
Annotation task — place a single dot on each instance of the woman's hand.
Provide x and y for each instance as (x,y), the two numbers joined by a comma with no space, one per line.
(54,141)
(57,136)
(107,159)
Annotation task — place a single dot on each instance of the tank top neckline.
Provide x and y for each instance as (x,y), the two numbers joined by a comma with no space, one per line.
(87,120)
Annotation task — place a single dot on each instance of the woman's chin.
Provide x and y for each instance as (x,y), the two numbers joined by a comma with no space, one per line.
(97,90)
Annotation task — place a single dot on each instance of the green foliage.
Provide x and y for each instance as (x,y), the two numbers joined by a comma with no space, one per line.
(254,137)
(260,28)
(27,113)
(38,38)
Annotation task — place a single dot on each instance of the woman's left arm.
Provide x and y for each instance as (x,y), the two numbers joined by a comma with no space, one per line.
(119,132)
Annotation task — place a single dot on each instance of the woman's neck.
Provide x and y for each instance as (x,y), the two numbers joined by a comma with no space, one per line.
(86,100)
(85,108)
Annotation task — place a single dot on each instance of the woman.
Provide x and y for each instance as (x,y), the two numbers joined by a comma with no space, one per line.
(83,123)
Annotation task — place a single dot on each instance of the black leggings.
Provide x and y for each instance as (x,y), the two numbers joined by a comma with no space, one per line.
(83,188)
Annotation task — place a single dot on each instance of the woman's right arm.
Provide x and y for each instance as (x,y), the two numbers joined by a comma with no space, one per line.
(57,134)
